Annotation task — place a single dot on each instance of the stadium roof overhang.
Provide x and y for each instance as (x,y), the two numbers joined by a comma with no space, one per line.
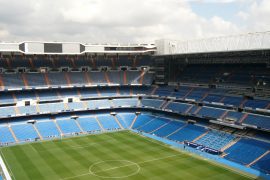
(250,42)
(74,48)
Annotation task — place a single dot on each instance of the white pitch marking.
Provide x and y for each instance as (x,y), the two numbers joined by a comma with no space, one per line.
(151,160)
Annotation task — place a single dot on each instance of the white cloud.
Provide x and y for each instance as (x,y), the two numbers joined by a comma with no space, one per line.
(113,20)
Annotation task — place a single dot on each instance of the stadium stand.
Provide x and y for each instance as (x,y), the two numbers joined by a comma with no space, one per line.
(246,150)
(220,104)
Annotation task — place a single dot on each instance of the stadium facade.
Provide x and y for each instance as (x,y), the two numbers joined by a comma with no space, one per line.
(210,95)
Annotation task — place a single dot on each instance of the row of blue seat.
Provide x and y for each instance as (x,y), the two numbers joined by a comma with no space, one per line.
(207,95)
(48,128)
(75,62)
(34,80)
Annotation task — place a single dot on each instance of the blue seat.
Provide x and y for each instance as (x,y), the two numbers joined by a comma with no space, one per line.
(153,125)
(24,132)
(125,119)
(215,139)
(141,120)
(47,129)
(169,128)
(5,135)
(68,126)
(188,133)
(88,124)
(108,122)
(263,164)
(246,150)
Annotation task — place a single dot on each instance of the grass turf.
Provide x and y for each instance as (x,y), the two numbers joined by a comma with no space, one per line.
(116,155)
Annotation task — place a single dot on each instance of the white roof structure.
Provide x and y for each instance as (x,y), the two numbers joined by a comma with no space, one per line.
(243,42)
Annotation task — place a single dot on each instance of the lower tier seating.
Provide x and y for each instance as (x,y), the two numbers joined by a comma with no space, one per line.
(215,139)
(246,150)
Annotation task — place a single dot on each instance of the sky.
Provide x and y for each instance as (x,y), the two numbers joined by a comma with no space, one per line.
(129,21)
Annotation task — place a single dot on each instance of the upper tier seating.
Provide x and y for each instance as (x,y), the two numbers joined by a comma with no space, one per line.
(257,120)
(11,81)
(75,61)
(246,150)
(155,103)
(232,74)
(210,112)
(126,102)
(178,107)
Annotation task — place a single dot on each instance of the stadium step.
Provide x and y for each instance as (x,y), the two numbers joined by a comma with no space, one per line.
(9,63)
(199,137)
(222,99)
(243,118)
(58,127)
(93,62)
(243,103)
(25,81)
(142,77)
(39,135)
(98,92)
(146,123)
(188,109)
(177,130)
(224,115)
(188,92)
(79,93)
(66,106)
(2,85)
(120,125)
(160,127)
(117,91)
(165,104)
(88,79)
(31,63)
(154,90)
(204,96)
(113,63)
(125,77)
(68,79)
(230,144)
(73,63)
(130,92)
(37,96)
(37,108)
(135,118)
(79,126)
(17,110)
(100,125)
(85,105)
(197,110)
(47,80)
(13,134)
(107,78)
(253,162)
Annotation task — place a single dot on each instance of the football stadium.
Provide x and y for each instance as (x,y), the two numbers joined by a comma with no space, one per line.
(172,109)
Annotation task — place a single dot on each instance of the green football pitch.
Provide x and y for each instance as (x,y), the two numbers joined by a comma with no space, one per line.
(119,155)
